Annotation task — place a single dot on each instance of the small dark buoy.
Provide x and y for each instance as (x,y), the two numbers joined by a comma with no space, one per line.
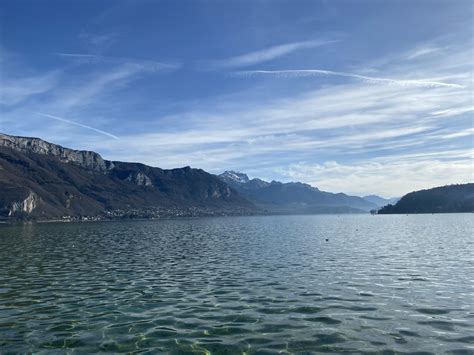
(327,240)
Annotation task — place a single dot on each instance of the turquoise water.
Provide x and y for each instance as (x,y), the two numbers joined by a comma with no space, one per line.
(240,285)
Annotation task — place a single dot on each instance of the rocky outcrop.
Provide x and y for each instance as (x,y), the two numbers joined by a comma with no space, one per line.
(26,206)
(139,179)
(86,159)
(217,192)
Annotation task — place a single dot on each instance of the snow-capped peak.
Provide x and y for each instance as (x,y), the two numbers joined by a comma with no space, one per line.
(235,176)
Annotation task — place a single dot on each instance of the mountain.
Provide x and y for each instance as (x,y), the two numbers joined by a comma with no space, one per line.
(444,199)
(380,201)
(234,176)
(294,197)
(241,181)
(44,180)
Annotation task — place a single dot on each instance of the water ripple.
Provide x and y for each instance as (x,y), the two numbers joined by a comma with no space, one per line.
(263,285)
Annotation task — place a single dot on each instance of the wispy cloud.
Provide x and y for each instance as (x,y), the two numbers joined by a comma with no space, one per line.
(422,51)
(61,119)
(18,89)
(150,65)
(464,133)
(337,121)
(267,54)
(98,41)
(70,97)
(272,134)
(370,79)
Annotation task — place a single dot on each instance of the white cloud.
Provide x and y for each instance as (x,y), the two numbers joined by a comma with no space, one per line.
(254,131)
(70,97)
(267,54)
(463,133)
(339,120)
(98,41)
(422,51)
(387,177)
(19,89)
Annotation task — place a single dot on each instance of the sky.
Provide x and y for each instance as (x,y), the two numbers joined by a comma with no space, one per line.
(363,97)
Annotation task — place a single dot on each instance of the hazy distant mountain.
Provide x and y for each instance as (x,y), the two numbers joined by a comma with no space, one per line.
(380,201)
(43,180)
(294,197)
(444,199)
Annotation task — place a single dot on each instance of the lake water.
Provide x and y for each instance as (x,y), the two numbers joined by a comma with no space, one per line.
(240,285)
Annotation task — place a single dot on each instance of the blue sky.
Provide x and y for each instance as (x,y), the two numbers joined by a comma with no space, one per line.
(354,96)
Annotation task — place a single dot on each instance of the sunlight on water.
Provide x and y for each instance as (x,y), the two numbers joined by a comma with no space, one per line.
(240,285)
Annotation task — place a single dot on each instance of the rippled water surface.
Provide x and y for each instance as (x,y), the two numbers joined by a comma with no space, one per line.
(240,285)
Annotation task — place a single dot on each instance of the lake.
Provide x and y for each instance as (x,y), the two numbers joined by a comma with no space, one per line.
(274,284)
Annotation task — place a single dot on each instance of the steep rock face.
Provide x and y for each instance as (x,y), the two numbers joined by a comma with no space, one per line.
(25,206)
(139,179)
(86,159)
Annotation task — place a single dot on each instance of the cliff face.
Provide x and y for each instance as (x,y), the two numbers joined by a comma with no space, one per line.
(140,179)
(86,159)
(24,206)
(43,180)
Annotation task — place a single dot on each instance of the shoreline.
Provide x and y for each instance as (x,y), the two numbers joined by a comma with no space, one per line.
(46,221)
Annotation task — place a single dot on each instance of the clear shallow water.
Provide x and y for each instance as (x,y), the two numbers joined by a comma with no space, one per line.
(234,285)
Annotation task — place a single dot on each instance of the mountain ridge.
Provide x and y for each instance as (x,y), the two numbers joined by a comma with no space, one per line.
(293,197)
(85,158)
(456,198)
(42,180)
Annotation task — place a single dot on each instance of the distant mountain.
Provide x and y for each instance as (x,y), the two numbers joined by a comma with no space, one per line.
(241,181)
(444,199)
(234,177)
(380,201)
(294,197)
(44,180)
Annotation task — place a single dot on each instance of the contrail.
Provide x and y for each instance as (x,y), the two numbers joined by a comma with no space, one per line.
(77,124)
(313,72)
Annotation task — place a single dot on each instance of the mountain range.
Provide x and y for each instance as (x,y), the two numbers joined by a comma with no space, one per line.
(44,180)
(294,197)
(41,180)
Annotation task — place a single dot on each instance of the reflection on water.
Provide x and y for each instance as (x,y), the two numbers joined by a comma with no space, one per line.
(240,285)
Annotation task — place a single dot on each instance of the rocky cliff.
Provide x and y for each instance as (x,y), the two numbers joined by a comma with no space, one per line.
(25,206)
(86,159)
